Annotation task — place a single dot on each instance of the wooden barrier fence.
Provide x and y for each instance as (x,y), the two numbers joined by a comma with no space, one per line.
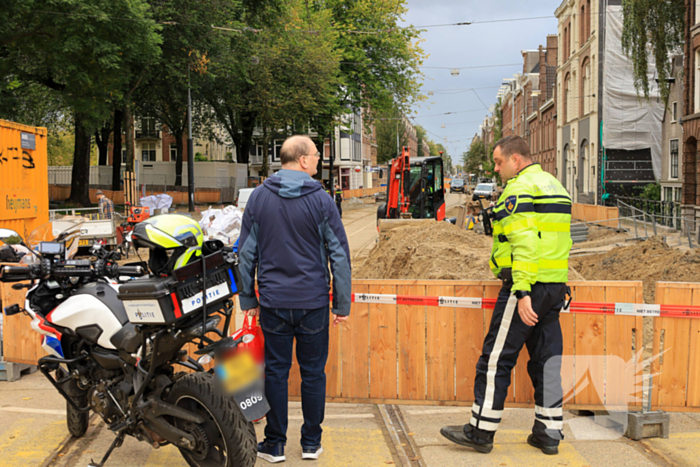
(412,354)
(201,195)
(347,194)
(676,351)
(595,214)
(427,355)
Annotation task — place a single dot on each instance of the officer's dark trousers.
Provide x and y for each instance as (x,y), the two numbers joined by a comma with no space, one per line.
(506,337)
(339,205)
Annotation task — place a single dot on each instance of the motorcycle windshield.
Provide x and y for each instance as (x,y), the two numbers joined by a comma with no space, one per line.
(66,230)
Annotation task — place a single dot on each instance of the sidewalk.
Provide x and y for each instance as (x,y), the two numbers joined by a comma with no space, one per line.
(33,433)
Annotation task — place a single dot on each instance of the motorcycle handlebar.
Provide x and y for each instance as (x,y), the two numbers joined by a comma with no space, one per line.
(129,270)
(16,273)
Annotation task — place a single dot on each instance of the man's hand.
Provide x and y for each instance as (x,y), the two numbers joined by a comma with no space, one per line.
(252,312)
(527,314)
(337,319)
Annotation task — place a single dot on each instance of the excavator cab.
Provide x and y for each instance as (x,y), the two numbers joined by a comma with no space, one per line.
(415,189)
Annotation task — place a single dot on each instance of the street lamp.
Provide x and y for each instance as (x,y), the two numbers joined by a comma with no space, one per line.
(455,72)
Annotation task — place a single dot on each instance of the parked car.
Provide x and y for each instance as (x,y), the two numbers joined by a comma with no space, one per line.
(484,191)
(457,185)
(243,196)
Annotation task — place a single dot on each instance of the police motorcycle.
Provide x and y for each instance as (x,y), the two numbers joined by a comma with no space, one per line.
(116,336)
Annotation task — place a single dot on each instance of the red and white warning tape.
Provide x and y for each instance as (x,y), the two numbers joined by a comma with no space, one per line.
(623,309)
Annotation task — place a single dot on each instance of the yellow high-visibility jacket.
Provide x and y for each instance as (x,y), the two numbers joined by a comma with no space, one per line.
(531,229)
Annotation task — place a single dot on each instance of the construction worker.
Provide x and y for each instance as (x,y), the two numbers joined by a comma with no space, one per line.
(531,243)
(339,199)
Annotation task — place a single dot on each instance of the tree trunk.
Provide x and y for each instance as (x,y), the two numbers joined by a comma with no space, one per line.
(117,150)
(247,127)
(129,124)
(102,141)
(80,181)
(180,156)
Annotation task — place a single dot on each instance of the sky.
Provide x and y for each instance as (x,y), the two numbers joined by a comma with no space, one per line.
(495,43)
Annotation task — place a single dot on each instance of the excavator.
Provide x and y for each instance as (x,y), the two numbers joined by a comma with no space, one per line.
(415,189)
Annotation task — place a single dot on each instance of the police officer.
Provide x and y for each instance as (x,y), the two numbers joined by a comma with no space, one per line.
(339,200)
(531,243)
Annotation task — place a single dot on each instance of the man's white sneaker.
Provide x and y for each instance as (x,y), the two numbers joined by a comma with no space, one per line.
(311,453)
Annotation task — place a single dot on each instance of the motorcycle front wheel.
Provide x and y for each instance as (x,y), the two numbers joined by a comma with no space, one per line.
(226,438)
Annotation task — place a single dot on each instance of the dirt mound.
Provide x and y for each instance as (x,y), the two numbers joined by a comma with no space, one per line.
(649,261)
(428,250)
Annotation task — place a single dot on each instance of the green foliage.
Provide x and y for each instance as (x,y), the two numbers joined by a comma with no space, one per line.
(199,157)
(421,135)
(655,25)
(379,70)
(59,148)
(386,138)
(652,191)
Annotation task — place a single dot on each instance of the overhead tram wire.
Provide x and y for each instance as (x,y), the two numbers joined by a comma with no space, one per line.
(314,31)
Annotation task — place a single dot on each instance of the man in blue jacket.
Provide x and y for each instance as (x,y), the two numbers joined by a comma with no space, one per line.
(291,229)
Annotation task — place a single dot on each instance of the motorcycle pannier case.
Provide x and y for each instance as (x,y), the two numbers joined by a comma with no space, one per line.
(166,300)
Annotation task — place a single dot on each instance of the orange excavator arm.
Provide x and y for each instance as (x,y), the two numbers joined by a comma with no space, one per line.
(399,177)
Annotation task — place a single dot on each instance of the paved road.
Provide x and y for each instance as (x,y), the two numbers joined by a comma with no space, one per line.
(33,431)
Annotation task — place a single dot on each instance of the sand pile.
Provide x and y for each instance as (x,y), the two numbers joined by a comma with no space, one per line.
(649,261)
(428,250)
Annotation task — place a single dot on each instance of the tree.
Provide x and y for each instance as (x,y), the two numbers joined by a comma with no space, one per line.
(475,160)
(79,49)
(421,135)
(655,25)
(386,129)
(380,59)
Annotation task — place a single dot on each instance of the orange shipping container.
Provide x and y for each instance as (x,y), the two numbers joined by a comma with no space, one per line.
(24,184)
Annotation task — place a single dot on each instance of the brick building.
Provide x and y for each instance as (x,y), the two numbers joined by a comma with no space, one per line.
(691,115)
(577,107)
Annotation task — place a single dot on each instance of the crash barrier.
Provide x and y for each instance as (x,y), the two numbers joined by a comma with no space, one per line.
(602,215)
(347,194)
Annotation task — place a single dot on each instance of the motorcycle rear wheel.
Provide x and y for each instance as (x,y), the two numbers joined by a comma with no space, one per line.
(226,438)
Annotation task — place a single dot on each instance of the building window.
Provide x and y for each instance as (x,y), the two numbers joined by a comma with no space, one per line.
(567,97)
(582,27)
(697,11)
(277,148)
(677,194)
(674,112)
(123,161)
(668,194)
(148,152)
(589,16)
(173,153)
(673,173)
(586,81)
(697,81)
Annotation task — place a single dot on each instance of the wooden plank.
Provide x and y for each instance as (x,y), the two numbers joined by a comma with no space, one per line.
(469,329)
(355,345)
(383,352)
(333,365)
(693,399)
(566,321)
(671,368)
(590,347)
(440,346)
(623,339)
(411,330)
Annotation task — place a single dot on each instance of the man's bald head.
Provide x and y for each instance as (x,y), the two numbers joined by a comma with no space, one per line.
(294,147)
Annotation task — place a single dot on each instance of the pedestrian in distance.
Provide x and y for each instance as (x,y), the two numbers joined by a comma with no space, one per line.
(291,231)
(105,204)
(531,244)
(339,199)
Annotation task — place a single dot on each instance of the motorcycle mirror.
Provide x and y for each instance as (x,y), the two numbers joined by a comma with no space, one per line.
(204,359)
(9,236)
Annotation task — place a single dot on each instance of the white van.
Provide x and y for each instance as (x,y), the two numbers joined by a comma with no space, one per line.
(243,195)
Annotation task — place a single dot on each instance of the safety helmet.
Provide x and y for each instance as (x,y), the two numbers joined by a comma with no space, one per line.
(174,241)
